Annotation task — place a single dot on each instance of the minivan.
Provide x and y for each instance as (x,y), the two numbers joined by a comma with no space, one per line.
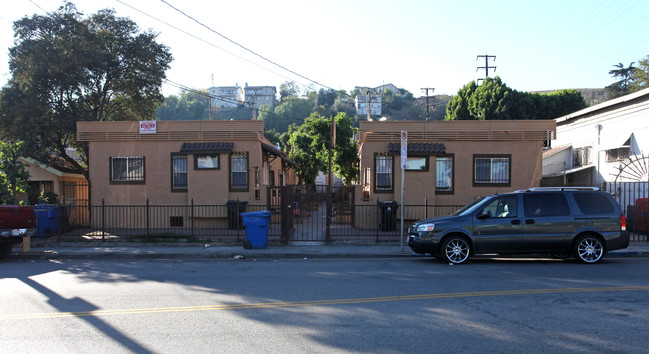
(583,222)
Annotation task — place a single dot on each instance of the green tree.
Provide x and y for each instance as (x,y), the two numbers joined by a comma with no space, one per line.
(308,146)
(188,106)
(288,89)
(14,178)
(641,75)
(458,107)
(66,68)
(494,100)
(625,76)
(291,110)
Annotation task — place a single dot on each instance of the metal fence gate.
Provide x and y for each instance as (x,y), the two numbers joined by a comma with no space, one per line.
(633,198)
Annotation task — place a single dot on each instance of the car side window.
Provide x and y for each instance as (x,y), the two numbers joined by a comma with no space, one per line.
(545,204)
(593,203)
(505,207)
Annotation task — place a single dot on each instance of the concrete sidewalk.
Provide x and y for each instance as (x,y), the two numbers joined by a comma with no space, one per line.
(63,250)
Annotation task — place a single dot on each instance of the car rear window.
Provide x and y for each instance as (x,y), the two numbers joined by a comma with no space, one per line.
(594,203)
(546,204)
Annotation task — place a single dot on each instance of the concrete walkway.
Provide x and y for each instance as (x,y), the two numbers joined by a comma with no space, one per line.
(97,250)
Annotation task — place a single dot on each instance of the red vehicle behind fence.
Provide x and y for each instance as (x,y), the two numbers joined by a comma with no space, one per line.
(641,215)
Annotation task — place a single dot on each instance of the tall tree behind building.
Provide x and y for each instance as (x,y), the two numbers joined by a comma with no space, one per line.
(66,68)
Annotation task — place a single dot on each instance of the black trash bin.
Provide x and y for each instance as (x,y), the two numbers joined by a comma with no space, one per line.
(235,208)
(388,215)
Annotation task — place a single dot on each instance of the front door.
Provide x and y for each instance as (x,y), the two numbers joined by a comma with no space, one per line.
(499,229)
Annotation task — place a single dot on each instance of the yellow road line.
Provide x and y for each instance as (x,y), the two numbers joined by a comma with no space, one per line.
(314,302)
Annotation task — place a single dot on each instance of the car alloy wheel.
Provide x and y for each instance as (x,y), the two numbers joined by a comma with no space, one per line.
(588,249)
(456,250)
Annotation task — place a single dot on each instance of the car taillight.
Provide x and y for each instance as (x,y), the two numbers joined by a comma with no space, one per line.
(622,223)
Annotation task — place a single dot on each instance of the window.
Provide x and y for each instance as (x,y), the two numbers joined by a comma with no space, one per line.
(206,162)
(444,174)
(127,169)
(593,203)
(179,172)
(417,163)
(619,154)
(176,221)
(505,207)
(383,163)
(582,156)
(239,171)
(491,170)
(546,204)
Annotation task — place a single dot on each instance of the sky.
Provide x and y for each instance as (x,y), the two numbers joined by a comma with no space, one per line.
(413,44)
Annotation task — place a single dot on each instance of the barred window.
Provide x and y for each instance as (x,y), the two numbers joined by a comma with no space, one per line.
(239,170)
(444,174)
(127,169)
(491,170)
(383,172)
(179,172)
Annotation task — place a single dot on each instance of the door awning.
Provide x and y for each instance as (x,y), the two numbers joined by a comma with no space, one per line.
(215,147)
(419,148)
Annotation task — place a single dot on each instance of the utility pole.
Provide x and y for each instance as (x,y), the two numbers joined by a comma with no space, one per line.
(432,89)
(211,97)
(486,66)
(369,115)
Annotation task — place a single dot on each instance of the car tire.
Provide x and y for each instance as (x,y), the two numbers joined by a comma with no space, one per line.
(455,249)
(588,249)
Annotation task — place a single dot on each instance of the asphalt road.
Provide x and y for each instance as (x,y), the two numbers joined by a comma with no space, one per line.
(329,305)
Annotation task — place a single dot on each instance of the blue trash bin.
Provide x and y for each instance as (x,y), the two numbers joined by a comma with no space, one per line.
(256,224)
(47,219)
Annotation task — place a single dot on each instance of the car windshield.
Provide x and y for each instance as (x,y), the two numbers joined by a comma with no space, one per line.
(469,208)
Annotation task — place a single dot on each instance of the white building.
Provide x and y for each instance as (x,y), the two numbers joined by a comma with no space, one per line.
(228,97)
(360,104)
(607,142)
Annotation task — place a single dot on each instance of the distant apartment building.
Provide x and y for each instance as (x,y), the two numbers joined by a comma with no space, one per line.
(225,97)
(256,96)
(361,104)
(228,97)
(374,94)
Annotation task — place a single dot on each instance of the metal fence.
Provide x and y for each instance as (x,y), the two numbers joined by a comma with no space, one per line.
(148,222)
(346,221)
(633,198)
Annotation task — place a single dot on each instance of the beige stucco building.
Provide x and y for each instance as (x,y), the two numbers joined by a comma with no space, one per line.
(182,162)
(450,162)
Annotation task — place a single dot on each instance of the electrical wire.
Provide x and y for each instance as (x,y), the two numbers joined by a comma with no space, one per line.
(208,43)
(245,48)
(201,93)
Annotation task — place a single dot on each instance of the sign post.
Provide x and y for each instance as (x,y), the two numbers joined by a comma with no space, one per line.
(404,164)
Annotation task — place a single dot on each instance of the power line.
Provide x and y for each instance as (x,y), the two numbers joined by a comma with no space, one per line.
(245,48)
(208,43)
(201,93)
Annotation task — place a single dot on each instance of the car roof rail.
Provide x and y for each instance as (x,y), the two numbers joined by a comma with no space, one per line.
(565,188)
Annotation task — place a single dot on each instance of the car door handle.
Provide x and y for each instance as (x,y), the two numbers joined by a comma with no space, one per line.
(516,222)
(529,221)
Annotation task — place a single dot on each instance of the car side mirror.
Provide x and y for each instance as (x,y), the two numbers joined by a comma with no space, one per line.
(484,215)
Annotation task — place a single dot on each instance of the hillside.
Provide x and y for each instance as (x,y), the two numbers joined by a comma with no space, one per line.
(592,96)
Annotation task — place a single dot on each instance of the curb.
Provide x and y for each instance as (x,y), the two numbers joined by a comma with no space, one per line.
(245,255)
